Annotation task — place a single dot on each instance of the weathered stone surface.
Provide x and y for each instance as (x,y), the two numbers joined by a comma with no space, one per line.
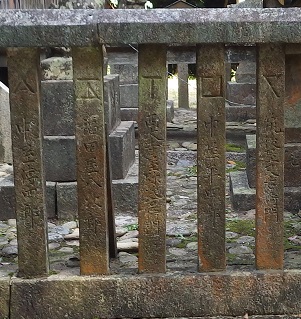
(128,73)
(211,157)
(131,114)
(246,72)
(57,101)
(292,162)
(241,93)
(270,156)
(111,101)
(5,129)
(122,149)
(66,198)
(147,296)
(23,66)
(125,194)
(136,26)
(242,196)
(129,95)
(7,199)
(56,68)
(4,297)
(292,102)
(183,97)
(240,113)
(152,158)
(91,160)
(59,158)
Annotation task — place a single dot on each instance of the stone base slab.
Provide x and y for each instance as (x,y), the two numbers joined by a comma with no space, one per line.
(243,197)
(151,296)
(131,114)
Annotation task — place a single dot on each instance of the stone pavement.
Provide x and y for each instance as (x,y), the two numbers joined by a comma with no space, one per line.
(181,223)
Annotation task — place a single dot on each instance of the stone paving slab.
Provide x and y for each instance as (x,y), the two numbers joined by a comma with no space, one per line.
(224,294)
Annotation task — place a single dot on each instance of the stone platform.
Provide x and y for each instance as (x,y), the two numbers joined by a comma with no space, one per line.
(242,184)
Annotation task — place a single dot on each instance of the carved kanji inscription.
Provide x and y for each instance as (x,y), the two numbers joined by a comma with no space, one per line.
(152,158)
(211,157)
(270,156)
(91,160)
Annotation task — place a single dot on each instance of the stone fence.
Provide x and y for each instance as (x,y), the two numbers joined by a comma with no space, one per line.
(212,291)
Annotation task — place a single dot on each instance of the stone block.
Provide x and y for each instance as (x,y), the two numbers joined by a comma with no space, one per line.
(57,99)
(240,113)
(131,114)
(246,72)
(7,199)
(4,297)
(56,68)
(125,195)
(241,93)
(128,73)
(60,158)
(111,101)
(66,198)
(129,95)
(5,128)
(292,162)
(251,159)
(244,198)
(122,149)
(145,296)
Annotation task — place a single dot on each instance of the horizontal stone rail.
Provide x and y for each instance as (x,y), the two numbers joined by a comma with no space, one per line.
(28,28)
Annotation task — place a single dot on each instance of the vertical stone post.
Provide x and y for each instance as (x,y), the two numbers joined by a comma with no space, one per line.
(270,156)
(91,160)
(211,156)
(183,97)
(24,83)
(152,157)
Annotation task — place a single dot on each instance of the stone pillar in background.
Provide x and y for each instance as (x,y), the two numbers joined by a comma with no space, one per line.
(152,158)
(26,120)
(211,157)
(183,97)
(5,129)
(270,156)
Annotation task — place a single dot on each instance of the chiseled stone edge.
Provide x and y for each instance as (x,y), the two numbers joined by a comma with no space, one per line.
(4,297)
(141,296)
(24,28)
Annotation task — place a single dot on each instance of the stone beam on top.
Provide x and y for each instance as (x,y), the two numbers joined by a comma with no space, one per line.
(28,28)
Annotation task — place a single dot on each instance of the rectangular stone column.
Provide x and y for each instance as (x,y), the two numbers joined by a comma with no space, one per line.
(270,156)
(183,97)
(211,156)
(152,157)
(91,160)
(24,83)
